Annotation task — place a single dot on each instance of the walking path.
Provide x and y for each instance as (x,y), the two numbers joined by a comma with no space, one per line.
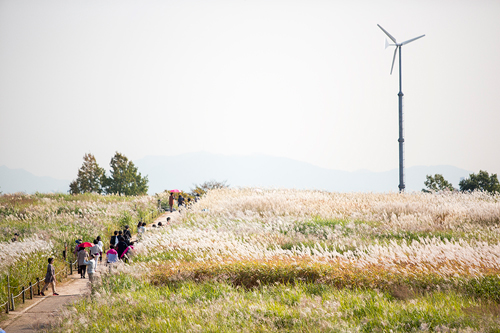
(41,311)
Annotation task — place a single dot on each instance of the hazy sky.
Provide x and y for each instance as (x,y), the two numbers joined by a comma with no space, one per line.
(308,80)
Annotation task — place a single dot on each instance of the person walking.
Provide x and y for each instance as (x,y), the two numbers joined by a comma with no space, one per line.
(90,268)
(180,202)
(101,247)
(171,201)
(96,250)
(77,246)
(50,278)
(141,231)
(127,254)
(127,235)
(82,256)
(114,239)
(122,245)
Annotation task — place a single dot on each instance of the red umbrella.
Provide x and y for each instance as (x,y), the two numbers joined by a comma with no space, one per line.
(86,244)
(175,191)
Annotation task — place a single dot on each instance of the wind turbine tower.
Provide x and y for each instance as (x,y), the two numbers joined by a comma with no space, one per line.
(401,140)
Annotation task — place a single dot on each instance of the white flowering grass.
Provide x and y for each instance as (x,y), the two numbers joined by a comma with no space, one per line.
(254,260)
(48,222)
(362,231)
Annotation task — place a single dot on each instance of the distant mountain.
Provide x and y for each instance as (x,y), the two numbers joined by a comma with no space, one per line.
(19,180)
(182,171)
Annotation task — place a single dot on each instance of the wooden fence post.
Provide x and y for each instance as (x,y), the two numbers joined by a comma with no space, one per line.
(8,290)
(31,290)
(24,294)
(13,305)
(38,285)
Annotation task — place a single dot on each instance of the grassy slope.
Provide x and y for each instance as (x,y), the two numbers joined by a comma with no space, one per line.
(298,261)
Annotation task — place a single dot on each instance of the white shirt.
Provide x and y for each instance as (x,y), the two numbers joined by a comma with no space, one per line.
(90,266)
(95,249)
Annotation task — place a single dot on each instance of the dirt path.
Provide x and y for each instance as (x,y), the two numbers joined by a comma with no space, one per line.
(40,312)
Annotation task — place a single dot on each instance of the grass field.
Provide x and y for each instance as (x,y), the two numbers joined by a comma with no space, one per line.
(48,224)
(255,260)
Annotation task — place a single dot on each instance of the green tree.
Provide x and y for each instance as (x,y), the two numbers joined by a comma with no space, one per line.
(481,181)
(125,179)
(201,189)
(436,183)
(90,177)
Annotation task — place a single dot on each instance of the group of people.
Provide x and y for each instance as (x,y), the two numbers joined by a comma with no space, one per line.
(87,261)
(141,228)
(121,247)
(181,201)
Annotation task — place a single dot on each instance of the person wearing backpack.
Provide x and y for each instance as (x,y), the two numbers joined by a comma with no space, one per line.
(127,235)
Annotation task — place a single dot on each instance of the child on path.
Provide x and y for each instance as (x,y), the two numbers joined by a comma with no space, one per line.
(82,256)
(50,278)
(90,268)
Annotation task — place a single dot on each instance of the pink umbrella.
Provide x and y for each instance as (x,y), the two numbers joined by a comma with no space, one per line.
(175,191)
(86,244)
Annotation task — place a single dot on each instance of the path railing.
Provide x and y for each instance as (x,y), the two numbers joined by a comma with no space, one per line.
(10,304)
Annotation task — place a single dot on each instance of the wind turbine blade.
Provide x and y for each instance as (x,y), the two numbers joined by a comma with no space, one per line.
(394,58)
(411,40)
(386,44)
(388,34)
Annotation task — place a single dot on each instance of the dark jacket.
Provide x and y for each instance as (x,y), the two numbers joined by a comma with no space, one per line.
(122,245)
(127,235)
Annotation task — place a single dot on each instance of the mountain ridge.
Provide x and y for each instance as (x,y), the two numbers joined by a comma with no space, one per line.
(185,170)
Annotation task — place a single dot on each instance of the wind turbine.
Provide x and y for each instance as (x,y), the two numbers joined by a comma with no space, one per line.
(401,140)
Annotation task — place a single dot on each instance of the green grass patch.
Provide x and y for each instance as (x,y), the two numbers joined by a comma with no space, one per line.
(130,304)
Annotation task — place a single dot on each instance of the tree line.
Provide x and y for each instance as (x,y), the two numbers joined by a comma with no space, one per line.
(481,181)
(124,177)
